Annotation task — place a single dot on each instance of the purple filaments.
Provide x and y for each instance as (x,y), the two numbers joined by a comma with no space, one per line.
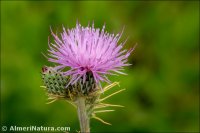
(86,49)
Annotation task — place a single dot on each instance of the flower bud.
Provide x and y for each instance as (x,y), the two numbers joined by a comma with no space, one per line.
(54,81)
(58,85)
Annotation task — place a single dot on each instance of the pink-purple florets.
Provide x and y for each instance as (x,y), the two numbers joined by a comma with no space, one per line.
(86,49)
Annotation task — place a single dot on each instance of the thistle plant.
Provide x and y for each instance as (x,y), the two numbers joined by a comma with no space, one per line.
(84,56)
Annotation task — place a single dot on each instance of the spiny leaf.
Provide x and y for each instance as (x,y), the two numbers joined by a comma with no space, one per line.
(52,101)
(43,87)
(103,105)
(102,111)
(111,95)
(71,103)
(99,119)
(110,86)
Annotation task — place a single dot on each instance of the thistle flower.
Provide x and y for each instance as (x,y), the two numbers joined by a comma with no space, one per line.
(91,54)
(86,49)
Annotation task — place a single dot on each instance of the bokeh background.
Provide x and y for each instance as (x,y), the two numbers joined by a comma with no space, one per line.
(162,86)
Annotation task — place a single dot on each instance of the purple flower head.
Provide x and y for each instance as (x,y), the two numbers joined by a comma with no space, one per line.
(86,49)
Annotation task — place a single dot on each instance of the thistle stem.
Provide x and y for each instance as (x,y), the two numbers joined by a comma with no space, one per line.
(82,115)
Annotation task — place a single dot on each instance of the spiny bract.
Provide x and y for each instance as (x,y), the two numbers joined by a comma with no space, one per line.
(55,83)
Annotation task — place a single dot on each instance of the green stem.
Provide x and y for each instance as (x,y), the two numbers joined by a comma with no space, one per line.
(82,115)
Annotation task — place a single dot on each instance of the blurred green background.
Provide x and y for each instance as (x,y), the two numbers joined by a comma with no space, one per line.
(162,86)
